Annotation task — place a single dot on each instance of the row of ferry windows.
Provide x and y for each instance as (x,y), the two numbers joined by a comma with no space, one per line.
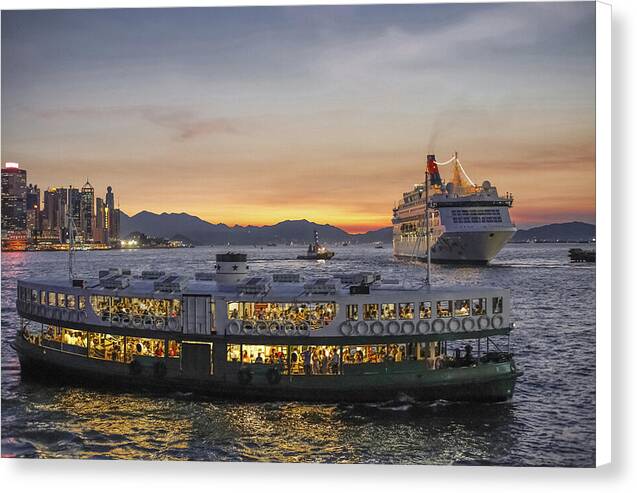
(406,311)
(328,360)
(51,298)
(102,346)
(109,306)
(316,314)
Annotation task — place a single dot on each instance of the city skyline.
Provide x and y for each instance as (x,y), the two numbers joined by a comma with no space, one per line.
(257,115)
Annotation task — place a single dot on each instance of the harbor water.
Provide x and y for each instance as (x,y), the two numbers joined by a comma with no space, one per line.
(549,422)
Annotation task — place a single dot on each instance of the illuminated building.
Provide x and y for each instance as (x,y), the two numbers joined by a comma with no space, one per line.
(33,212)
(87,205)
(14,204)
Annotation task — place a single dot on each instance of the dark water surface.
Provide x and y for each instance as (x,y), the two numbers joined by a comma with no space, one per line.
(550,421)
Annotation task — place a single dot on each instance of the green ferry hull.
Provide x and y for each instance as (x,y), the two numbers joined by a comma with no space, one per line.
(484,382)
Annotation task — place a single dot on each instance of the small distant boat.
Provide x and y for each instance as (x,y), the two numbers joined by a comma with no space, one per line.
(378,244)
(579,255)
(346,243)
(316,251)
(271,244)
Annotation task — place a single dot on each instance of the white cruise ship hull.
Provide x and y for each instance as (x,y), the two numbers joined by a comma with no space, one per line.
(463,246)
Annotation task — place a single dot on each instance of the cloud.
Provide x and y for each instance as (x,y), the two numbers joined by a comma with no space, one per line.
(185,123)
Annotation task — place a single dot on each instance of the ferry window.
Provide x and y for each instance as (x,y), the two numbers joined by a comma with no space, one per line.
(52,333)
(497,304)
(34,296)
(70,301)
(315,360)
(101,305)
(61,299)
(233,353)
(175,308)
(396,353)
(364,354)
(461,308)
(233,310)
(370,311)
(213,311)
(265,355)
(138,346)
(43,297)
(479,306)
(174,349)
(388,311)
(425,309)
(106,346)
(443,309)
(51,298)
(74,337)
(406,311)
(352,312)
(31,331)
(81,301)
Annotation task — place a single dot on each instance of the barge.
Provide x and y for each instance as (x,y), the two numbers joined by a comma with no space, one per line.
(230,333)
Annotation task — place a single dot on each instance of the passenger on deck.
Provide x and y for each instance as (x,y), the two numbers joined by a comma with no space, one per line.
(468,359)
(307,361)
(259,358)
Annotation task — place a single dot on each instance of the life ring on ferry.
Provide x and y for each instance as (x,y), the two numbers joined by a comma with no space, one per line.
(377,328)
(408,328)
(248,326)
(423,327)
(261,327)
(346,328)
(273,375)
(234,327)
(362,329)
(137,321)
(245,375)
(160,323)
(274,328)
(148,321)
(126,320)
(115,320)
(483,322)
(172,323)
(438,326)
(393,328)
(303,328)
(288,328)
(453,325)
(468,324)
(159,369)
(497,321)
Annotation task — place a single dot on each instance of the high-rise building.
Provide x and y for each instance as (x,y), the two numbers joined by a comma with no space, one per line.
(54,213)
(33,212)
(100,234)
(14,206)
(111,216)
(87,207)
(75,205)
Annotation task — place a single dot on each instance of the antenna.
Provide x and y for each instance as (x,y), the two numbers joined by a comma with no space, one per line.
(427,228)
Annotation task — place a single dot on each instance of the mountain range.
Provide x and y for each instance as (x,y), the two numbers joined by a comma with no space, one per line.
(200,232)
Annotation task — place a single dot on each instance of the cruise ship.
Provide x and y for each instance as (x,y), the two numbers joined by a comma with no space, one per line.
(468,223)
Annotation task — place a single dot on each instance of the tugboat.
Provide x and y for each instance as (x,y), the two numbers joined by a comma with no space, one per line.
(229,333)
(316,251)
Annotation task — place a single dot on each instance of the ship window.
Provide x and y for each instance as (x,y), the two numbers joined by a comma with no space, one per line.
(425,309)
(352,312)
(233,310)
(74,341)
(81,301)
(354,355)
(70,301)
(314,360)
(138,346)
(406,311)
(497,304)
(174,349)
(52,298)
(106,346)
(233,353)
(34,296)
(479,306)
(461,308)
(52,333)
(101,305)
(43,297)
(388,311)
(316,314)
(61,299)
(265,355)
(370,311)
(31,334)
(443,308)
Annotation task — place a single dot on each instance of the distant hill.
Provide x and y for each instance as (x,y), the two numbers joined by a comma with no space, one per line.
(200,232)
(573,231)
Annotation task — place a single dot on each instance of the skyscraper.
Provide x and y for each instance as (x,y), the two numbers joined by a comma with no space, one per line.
(14,205)
(100,234)
(33,211)
(87,207)
(111,216)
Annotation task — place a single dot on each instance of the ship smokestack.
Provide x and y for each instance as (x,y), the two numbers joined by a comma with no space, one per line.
(432,169)
(231,267)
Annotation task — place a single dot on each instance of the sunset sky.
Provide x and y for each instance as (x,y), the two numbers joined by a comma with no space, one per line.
(256,115)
